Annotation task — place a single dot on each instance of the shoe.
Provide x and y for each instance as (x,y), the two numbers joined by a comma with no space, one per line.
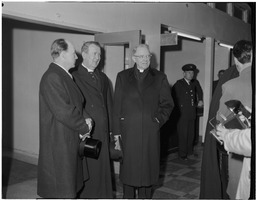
(183,158)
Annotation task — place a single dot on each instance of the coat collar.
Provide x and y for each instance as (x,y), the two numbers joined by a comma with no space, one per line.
(85,76)
(147,81)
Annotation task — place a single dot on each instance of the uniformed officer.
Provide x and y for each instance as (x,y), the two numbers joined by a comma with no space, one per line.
(187,95)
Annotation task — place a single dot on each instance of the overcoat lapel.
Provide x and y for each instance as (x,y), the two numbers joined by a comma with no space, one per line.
(87,78)
(132,79)
(148,80)
(145,84)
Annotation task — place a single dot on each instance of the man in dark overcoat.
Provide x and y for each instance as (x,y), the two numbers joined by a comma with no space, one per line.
(62,124)
(142,104)
(186,97)
(96,89)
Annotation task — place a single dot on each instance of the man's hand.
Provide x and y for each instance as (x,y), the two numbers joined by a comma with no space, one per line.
(89,122)
(221,131)
(117,143)
(244,119)
(200,103)
(83,137)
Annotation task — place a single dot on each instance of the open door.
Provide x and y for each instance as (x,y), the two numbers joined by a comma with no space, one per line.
(117,51)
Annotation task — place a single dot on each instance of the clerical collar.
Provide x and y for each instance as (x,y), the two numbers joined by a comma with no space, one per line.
(63,69)
(89,70)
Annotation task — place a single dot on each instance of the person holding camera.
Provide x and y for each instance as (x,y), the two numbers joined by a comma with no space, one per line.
(240,89)
(239,142)
(63,123)
(96,89)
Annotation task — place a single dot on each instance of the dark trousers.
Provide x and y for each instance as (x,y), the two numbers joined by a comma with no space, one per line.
(223,164)
(143,192)
(186,134)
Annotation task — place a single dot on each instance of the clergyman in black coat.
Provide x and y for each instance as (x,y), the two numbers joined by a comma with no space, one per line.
(142,104)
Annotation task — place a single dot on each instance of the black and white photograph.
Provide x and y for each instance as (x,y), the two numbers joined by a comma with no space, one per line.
(128,100)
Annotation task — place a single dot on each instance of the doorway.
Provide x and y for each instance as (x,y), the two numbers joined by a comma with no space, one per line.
(173,57)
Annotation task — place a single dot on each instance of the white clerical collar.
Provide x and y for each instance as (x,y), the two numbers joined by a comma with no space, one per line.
(64,69)
(89,70)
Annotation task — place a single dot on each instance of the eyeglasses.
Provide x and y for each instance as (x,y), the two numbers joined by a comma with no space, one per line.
(143,56)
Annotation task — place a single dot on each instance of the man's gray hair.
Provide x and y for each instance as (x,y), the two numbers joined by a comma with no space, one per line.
(140,45)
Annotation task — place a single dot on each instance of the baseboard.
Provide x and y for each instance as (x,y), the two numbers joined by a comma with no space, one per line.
(33,158)
(21,155)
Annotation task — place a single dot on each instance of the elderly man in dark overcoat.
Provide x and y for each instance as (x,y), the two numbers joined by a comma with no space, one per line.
(187,96)
(96,89)
(142,104)
(63,123)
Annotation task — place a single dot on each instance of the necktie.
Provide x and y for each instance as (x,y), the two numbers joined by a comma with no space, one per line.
(93,76)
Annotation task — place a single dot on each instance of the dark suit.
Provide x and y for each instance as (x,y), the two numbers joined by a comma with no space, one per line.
(98,105)
(185,98)
(137,104)
(60,173)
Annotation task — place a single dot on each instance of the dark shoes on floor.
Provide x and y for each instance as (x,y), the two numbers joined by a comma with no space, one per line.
(183,158)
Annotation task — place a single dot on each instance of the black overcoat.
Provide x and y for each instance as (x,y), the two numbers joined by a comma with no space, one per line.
(98,105)
(62,119)
(134,118)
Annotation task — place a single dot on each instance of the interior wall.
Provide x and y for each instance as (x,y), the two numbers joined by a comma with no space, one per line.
(196,18)
(221,59)
(29,53)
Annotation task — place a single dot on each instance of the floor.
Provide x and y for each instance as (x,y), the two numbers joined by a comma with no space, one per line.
(178,179)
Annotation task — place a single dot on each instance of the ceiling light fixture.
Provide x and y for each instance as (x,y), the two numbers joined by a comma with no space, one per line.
(188,36)
(225,45)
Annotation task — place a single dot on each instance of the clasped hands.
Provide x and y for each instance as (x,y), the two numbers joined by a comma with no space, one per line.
(89,123)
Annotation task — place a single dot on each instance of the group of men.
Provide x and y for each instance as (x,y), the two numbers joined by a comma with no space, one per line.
(79,105)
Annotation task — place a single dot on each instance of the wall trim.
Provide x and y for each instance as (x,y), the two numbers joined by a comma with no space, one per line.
(20,155)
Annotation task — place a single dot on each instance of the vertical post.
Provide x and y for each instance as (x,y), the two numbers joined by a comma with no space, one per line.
(209,65)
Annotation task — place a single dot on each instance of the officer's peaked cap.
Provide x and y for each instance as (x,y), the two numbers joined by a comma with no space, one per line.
(189,67)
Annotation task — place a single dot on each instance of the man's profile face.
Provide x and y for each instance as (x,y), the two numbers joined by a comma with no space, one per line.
(92,57)
(70,55)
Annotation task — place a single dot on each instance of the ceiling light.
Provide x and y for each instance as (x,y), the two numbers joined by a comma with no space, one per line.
(187,36)
(225,45)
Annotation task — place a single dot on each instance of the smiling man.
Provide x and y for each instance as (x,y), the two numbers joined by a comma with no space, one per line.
(142,104)
(95,87)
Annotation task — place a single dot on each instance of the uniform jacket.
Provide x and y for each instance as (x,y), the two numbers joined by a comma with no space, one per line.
(62,119)
(134,118)
(99,106)
(186,97)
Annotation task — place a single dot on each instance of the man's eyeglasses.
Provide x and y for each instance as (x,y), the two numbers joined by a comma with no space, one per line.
(143,56)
